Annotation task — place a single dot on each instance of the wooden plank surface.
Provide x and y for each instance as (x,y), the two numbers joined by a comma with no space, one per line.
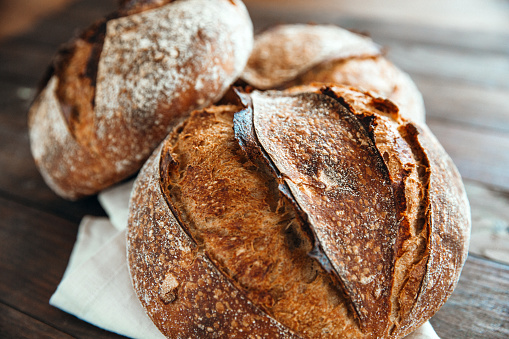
(479,307)
(462,71)
(480,154)
(36,246)
(484,16)
(23,326)
(465,104)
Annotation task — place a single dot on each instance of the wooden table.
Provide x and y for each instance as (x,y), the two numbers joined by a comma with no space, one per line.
(462,70)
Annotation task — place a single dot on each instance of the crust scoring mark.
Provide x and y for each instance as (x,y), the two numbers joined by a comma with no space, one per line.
(333,227)
(161,254)
(431,203)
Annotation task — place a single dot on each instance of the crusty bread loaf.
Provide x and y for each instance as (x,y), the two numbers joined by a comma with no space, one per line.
(115,91)
(289,55)
(316,212)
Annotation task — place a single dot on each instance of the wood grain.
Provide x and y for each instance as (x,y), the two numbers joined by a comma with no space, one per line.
(462,71)
(479,307)
(490,222)
(480,154)
(479,15)
(35,249)
(14,324)
(472,67)
(465,104)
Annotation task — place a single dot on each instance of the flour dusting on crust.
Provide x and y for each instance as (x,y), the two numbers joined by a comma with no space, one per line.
(62,161)
(155,66)
(205,303)
(284,52)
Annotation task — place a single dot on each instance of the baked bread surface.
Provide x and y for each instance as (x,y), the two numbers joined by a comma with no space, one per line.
(179,282)
(310,213)
(299,54)
(119,88)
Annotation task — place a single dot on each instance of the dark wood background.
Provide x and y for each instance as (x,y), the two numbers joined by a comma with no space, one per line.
(461,64)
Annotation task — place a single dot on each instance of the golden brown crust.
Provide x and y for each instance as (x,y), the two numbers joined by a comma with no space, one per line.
(284,52)
(182,290)
(290,55)
(315,144)
(270,219)
(126,81)
(432,194)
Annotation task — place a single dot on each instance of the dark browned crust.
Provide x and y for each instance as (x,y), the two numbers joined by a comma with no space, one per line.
(415,281)
(184,293)
(408,291)
(93,35)
(248,141)
(371,302)
(76,68)
(443,221)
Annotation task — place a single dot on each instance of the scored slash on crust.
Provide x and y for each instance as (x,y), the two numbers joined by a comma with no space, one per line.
(285,126)
(120,87)
(365,187)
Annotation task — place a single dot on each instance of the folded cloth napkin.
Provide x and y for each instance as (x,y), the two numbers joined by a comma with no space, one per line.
(96,286)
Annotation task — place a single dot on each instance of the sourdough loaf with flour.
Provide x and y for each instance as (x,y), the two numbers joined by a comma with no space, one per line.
(289,55)
(314,212)
(114,92)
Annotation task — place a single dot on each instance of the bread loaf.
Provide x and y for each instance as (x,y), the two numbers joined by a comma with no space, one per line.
(115,91)
(315,212)
(289,55)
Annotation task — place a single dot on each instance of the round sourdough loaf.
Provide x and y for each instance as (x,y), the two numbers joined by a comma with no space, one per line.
(315,212)
(289,55)
(114,92)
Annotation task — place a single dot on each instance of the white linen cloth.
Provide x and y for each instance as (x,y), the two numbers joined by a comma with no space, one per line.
(96,286)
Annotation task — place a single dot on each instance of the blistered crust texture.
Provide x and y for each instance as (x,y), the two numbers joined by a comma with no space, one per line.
(154,68)
(255,212)
(339,180)
(290,55)
(184,294)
